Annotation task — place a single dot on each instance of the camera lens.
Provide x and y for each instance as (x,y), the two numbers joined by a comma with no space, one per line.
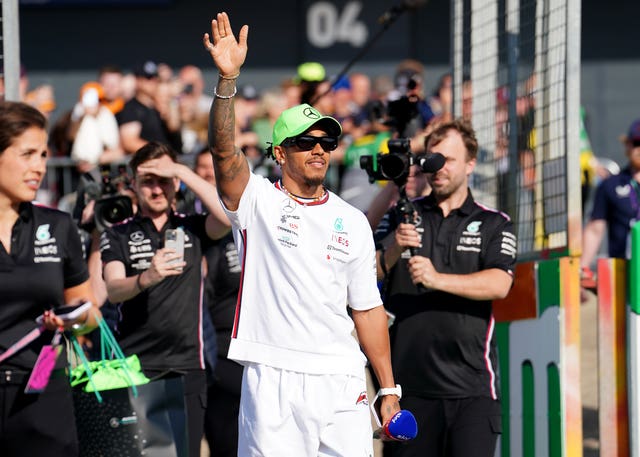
(111,210)
(393,166)
(115,212)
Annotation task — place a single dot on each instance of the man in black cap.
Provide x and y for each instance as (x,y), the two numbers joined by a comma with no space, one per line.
(139,121)
(407,106)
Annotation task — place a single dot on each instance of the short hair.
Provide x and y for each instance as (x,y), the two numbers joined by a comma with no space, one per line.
(150,151)
(15,119)
(463,127)
(109,69)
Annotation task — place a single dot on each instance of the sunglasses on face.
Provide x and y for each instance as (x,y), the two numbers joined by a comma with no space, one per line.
(635,144)
(308,142)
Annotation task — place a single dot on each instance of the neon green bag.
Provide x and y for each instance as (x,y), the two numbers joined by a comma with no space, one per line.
(112,371)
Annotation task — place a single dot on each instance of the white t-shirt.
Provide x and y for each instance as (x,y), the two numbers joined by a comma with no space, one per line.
(302,265)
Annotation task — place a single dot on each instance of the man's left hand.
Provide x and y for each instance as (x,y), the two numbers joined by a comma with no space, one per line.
(422,271)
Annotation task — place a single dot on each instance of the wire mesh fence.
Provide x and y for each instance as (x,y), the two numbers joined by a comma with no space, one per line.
(516,77)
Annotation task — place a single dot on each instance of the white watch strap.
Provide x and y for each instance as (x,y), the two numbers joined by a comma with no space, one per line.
(397,390)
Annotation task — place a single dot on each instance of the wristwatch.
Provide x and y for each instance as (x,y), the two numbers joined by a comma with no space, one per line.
(397,391)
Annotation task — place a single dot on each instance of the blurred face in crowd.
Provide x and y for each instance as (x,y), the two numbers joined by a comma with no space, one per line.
(23,166)
(155,194)
(453,177)
(417,185)
(111,83)
(204,168)
(633,152)
(147,86)
(360,88)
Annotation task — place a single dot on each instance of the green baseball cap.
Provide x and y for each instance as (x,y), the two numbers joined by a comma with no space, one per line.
(311,72)
(294,121)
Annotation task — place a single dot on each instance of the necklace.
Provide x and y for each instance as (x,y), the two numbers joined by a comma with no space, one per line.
(303,200)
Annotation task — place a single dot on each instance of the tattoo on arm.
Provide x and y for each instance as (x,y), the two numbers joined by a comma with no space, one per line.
(229,166)
(228,159)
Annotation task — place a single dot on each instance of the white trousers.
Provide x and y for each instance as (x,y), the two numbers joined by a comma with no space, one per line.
(285,413)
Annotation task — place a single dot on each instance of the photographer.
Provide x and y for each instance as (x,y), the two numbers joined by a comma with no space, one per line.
(407,103)
(103,198)
(443,350)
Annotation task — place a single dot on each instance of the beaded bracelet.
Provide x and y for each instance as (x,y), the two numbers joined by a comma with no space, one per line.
(230,78)
(225,97)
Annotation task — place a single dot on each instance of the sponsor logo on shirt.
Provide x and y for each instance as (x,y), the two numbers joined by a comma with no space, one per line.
(289,224)
(139,246)
(338,225)
(471,238)
(137,236)
(474,227)
(45,248)
(42,232)
(339,243)
(508,245)
(623,191)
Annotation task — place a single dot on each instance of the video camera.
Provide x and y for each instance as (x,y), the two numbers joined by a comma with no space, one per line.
(395,165)
(399,113)
(111,205)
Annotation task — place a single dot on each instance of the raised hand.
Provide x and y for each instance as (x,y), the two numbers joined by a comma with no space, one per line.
(227,53)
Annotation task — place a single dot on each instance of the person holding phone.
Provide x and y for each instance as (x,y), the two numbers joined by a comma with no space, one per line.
(308,278)
(41,271)
(156,289)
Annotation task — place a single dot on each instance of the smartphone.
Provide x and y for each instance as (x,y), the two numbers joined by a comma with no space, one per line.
(69,313)
(174,239)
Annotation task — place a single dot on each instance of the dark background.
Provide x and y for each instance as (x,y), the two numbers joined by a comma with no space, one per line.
(82,37)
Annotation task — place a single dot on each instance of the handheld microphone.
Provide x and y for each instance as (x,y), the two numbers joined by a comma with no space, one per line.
(396,10)
(401,427)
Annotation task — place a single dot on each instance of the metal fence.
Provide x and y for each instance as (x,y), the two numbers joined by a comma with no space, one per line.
(516,76)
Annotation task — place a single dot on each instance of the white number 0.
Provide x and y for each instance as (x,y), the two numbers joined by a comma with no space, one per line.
(326,26)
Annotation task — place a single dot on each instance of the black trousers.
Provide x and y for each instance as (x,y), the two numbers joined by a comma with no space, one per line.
(465,427)
(223,407)
(42,424)
(195,399)
(221,423)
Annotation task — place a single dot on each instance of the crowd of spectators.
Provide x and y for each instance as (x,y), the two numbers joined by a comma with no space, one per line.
(120,111)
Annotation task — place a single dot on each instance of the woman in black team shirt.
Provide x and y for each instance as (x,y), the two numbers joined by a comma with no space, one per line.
(41,269)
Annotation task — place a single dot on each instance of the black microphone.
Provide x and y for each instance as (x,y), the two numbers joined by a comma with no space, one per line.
(430,162)
(395,11)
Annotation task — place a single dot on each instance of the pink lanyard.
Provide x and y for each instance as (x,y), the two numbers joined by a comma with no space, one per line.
(21,343)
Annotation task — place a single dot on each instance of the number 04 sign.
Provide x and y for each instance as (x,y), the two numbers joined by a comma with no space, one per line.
(328,25)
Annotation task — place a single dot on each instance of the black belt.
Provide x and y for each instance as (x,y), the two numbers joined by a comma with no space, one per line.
(19,376)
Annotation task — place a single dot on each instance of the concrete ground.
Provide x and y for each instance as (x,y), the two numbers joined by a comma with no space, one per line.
(589,375)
